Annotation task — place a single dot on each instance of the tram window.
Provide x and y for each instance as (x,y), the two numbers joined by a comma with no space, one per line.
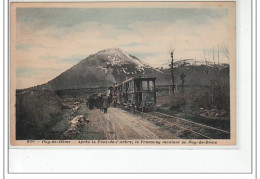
(148,98)
(144,85)
(131,86)
(131,98)
(151,85)
(138,86)
(125,87)
(139,97)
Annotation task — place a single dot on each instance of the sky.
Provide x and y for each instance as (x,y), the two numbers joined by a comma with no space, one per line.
(51,40)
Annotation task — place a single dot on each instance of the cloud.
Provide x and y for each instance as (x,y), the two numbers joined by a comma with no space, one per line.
(26,72)
(132,44)
(22,47)
(73,59)
(120,17)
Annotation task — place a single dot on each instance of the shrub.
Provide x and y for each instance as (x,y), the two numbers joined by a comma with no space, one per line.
(214,97)
(177,103)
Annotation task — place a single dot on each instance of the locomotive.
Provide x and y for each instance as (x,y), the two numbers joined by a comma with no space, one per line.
(138,93)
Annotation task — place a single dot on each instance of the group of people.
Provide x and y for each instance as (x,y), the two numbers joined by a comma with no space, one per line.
(101,102)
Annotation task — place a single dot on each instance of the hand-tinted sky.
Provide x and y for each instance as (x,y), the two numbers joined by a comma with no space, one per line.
(121,18)
(51,40)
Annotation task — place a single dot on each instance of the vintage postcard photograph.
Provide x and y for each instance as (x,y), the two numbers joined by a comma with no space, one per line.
(123,74)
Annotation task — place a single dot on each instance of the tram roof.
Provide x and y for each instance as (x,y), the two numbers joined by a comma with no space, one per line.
(139,78)
(116,85)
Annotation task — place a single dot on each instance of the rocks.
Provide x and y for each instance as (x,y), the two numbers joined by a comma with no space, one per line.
(211,114)
(73,104)
(76,103)
(214,113)
(69,99)
(78,120)
(217,115)
(223,113)
(74,125)
(66,106)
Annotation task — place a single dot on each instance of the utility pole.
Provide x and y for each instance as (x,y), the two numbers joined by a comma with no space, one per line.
(213,53)
(172,51)
(218,62)
(196,74)
(204,55)
(218,54)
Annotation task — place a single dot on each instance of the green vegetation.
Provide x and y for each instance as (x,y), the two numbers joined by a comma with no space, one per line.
(194,101)
(36,113)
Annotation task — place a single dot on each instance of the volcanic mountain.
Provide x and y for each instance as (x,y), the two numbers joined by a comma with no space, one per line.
(104,68)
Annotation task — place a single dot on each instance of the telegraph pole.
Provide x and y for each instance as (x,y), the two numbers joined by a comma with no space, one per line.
(172,72)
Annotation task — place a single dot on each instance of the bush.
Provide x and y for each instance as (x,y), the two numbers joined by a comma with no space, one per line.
(221,96)
(214,97)
(202,99)
(177,103)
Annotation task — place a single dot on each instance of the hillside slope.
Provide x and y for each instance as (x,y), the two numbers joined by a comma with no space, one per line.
(104,68)
(36,112)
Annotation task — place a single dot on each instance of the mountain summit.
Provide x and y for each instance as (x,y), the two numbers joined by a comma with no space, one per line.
(103,68)
(116,56)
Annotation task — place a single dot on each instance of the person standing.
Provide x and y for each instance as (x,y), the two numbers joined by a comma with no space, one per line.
(105,104)
(90,102)
(100,102)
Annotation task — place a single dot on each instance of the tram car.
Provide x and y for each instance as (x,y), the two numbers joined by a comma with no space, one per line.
(140,93)
(116,92)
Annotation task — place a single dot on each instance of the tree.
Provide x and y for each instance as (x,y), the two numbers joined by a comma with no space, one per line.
(182,76)
(226,51)
(219,90)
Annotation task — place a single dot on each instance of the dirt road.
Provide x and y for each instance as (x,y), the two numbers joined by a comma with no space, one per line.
(120,124)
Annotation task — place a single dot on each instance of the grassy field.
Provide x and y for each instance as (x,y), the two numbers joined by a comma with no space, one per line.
(190,104)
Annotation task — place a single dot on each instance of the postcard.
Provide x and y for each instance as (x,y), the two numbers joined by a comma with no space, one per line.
(123,74)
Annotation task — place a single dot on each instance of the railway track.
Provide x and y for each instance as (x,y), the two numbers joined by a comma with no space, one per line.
(184,128)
